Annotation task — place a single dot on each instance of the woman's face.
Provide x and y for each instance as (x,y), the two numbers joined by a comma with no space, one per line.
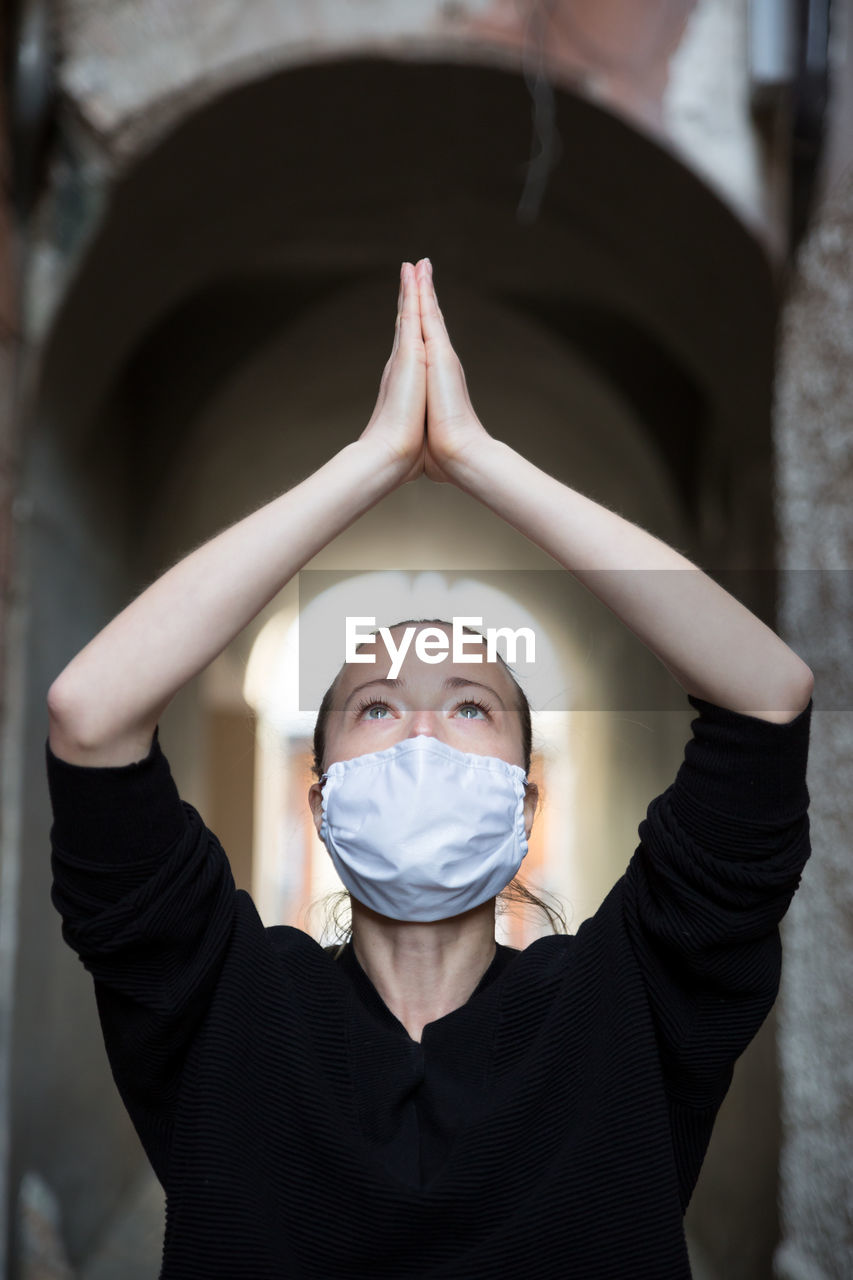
(469,706)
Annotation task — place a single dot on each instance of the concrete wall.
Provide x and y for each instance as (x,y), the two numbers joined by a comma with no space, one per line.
(10,633)
(677,70)
(815,407)
(814,475)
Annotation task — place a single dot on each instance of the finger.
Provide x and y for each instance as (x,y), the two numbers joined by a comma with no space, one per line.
(389,363)
(432,320)
(401,377)
(406,358)
(448,389)
(409,309)
(407,329)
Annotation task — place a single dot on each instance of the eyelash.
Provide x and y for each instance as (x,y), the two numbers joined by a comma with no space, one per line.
(380,702)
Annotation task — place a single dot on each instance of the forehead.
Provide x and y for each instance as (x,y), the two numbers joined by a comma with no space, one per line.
(422,674)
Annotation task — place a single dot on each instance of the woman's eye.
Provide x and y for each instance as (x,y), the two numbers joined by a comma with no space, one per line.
(365,709)
(376,712)
(471,710)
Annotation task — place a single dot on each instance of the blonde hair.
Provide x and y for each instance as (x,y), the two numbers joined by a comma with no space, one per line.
(338,910)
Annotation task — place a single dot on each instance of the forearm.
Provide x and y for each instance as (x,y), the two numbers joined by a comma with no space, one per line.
(105,704)
(712,645)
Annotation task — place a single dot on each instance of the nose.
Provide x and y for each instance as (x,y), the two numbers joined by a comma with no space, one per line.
(424,720)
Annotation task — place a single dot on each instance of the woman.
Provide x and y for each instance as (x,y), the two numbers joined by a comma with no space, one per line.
(431,1105)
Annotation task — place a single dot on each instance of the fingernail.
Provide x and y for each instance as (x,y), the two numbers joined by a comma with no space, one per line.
(429,265)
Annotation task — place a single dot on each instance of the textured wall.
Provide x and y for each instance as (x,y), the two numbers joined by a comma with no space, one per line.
(815,482)
(675,68)
(8,867)
(125,57)
(133,70)
(8,344)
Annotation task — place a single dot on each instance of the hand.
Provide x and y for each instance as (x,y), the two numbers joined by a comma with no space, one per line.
(453,428)
(398,420)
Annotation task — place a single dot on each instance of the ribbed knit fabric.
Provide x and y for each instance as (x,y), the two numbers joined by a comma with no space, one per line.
(552,1126)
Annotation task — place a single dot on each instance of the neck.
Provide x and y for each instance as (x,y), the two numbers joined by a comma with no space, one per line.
(424,971)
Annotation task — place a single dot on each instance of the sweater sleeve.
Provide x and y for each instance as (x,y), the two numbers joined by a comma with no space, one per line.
(721,855)
(147,899)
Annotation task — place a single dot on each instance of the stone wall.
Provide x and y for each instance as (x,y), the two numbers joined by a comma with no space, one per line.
(815,483)
(8,346)
(814,474)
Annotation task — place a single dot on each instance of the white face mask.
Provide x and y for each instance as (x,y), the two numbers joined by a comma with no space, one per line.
(422,831)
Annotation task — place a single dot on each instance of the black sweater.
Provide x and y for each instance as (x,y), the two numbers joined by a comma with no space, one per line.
(552,1126)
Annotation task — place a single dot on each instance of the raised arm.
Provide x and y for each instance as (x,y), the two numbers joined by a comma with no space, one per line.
(105,705)
(711,644)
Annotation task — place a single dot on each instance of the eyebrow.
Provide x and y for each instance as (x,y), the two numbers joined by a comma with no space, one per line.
(452,682)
